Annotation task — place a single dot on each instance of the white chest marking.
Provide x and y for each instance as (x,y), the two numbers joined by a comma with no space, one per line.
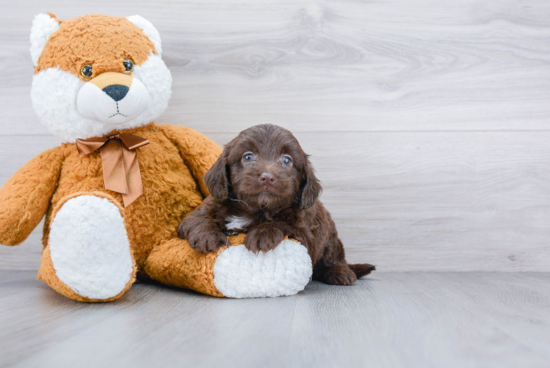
(236,223)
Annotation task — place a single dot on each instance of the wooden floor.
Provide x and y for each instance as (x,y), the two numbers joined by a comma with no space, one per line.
(387,320)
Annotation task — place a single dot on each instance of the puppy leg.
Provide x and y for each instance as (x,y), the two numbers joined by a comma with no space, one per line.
(336,274)
(203,234)
(265,237)
(333,269)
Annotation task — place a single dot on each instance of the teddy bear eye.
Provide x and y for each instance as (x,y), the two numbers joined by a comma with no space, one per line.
(128,65)
(86,71)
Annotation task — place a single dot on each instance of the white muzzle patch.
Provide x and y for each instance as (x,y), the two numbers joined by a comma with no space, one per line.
(114,104)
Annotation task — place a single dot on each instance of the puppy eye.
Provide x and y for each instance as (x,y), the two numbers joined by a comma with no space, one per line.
(287,160)
(248,157)
(86,71)
(128,65)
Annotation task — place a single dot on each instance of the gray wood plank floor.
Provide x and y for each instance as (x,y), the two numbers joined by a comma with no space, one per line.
(386,320)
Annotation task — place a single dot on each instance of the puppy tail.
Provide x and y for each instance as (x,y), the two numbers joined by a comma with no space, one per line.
(362,269)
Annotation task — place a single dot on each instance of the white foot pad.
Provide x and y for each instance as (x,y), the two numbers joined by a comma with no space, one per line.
(89,247)
(239,273)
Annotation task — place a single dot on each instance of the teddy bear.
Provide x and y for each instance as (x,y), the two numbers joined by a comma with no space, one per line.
(114,192)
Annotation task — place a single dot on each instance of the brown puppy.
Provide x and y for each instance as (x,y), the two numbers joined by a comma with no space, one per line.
(263,184)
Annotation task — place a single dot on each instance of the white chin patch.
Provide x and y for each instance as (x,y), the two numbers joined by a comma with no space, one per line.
(57,100)
(96,104)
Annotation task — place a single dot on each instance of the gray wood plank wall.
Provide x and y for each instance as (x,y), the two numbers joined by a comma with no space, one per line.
(428,121)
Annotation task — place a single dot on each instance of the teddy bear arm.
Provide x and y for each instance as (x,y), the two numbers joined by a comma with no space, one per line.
(26,196)
(198,152)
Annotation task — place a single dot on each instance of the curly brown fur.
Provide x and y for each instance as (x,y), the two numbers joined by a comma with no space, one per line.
(263,184)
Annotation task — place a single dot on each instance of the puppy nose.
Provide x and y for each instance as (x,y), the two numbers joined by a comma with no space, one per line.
(116,91)
(267,179)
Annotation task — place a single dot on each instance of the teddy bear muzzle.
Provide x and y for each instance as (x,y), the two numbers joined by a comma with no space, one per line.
(112,98)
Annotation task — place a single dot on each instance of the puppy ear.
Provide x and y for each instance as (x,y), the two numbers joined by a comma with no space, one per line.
(216,179)
(311,187)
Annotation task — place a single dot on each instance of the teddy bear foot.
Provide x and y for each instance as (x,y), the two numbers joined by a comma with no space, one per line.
(283,271)
(88,256)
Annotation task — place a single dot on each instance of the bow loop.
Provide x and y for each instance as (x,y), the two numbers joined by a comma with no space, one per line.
(133,142)
(119,161)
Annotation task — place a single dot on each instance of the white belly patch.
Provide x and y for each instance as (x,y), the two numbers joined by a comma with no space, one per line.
(236,222)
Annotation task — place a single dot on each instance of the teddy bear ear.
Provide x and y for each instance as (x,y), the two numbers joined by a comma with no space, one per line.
(43,26)
(148,29)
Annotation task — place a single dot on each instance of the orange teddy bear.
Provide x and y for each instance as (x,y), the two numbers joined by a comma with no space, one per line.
(115,191)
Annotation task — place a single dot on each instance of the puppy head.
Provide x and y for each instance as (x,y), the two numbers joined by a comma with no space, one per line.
(265,168)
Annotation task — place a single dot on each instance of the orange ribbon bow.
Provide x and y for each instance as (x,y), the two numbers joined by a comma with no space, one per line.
(120,164)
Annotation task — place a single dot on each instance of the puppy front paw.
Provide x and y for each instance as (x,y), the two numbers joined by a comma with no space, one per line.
(263,238)
(207,240)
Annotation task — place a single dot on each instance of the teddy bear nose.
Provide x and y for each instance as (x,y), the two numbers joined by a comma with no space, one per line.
(116,91)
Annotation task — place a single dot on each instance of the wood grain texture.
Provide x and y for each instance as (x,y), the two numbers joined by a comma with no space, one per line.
(439,201)
(428,121)
(387,320)
(324,65)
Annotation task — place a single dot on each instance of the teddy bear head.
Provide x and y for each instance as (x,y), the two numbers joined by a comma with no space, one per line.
(97,73)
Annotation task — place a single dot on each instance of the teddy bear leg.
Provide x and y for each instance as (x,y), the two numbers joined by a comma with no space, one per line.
(88,256)
(232,271)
